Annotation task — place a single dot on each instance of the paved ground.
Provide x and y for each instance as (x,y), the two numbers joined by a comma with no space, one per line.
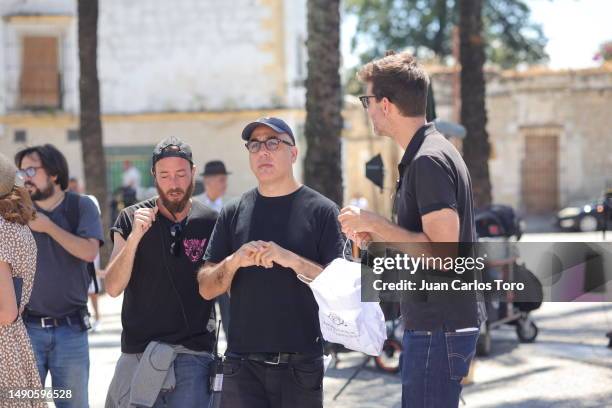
(568,366)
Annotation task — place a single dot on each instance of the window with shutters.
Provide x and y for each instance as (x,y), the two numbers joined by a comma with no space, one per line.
(40,82)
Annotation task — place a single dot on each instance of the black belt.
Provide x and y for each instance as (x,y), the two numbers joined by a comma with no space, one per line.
(275,358)
(47,322)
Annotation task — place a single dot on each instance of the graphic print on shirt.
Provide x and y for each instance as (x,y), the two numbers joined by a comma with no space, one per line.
(194,248)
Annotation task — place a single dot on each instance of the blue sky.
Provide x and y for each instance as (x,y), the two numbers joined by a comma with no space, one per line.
(575,29)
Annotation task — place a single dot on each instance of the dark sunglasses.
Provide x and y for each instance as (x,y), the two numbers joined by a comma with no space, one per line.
(365,100)
(272,144)
(29,172)
(175,232)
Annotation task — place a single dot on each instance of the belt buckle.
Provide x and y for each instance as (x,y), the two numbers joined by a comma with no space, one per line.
(44,325)
(277,362)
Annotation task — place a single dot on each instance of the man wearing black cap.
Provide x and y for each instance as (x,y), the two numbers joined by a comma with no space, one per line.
(264,246)
(214,177)
(158,247)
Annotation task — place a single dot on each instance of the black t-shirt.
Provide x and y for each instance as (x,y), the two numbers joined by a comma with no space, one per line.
(434,176)
(162,300)
(271,309)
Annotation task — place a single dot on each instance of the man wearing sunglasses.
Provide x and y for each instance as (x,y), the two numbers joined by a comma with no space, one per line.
(433,205)
(158,247)
(264,246)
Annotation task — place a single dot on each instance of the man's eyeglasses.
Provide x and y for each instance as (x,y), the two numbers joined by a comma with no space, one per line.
(271,144)
(29,172)
(365,100)
(175,246)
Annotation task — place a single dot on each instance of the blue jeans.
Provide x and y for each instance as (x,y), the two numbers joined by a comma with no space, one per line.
(433,365)
(63,352)
(191,391)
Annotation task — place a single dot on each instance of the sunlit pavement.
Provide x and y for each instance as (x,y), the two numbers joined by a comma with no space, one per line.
(568,366)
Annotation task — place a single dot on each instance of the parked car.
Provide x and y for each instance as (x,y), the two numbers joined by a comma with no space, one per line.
(585,217)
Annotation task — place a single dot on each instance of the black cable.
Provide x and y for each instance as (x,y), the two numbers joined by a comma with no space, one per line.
(169,273)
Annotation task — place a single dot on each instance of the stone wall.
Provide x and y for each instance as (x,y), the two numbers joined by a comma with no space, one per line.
(573,105)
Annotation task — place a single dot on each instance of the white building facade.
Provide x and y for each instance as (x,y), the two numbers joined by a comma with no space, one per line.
(196,69)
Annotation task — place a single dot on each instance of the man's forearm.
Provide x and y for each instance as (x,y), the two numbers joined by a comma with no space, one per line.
(119,270)
(386,231)
(401,239)
(415,242)
(216,279)
(307,268)
(81,248)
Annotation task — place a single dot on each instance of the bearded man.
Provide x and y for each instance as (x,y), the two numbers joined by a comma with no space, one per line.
(68,234)
(158,248)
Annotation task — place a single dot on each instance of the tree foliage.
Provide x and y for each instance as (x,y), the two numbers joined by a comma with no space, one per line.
(426,27)
(605,51)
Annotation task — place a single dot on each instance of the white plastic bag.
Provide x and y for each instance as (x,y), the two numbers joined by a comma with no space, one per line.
(344,318)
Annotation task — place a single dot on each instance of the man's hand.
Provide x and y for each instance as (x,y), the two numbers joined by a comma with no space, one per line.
(354,220)
(215,279)
(41,223)
(271,253)
(143,220)
(362,239)
(245,255)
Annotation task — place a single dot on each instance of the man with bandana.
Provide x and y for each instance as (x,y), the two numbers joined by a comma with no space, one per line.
(158,247)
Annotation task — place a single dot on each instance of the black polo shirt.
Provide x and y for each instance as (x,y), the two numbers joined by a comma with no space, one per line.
(434,176)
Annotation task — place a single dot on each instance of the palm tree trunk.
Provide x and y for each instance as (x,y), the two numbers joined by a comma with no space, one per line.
(90,125)
(476,148)
(322,163)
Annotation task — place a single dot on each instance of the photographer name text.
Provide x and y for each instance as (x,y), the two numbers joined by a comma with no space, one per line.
(455,285)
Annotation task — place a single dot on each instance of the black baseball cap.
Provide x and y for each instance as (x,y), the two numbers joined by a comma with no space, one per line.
(276,124)
(171,147)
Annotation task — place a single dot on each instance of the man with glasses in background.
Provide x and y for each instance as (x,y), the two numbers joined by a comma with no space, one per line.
(264,247)
(158,248)
(68,234)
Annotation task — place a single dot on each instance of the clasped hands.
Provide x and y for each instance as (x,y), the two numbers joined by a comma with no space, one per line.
(263,253)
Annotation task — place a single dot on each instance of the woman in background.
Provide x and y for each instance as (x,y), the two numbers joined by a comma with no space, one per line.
(17,260)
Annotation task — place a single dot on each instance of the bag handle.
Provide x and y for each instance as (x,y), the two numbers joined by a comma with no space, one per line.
(344,248)
(307,280)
